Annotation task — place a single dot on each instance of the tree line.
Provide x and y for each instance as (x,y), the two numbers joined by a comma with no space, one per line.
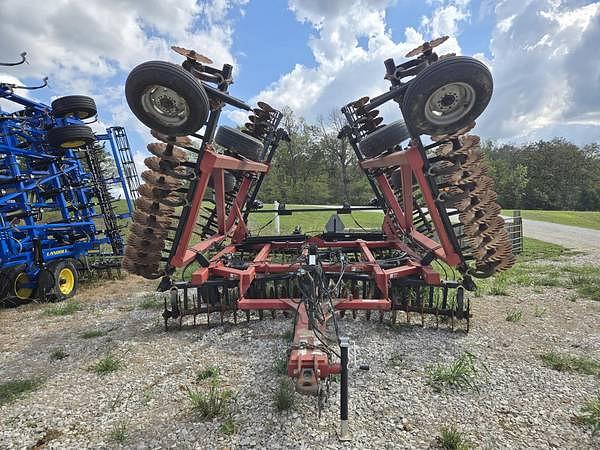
(316,167)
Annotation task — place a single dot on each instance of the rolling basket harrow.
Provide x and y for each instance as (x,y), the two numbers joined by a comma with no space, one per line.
(190,227)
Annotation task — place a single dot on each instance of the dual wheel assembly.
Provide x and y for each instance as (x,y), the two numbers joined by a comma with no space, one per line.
(57,282)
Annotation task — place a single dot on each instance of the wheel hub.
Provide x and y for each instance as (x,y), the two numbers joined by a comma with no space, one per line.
(449,103)
(165,105)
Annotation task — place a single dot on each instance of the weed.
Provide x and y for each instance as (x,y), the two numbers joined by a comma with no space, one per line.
(461,373)
(57,354)
(287,335)
(209,372)
(498,286)
(587,286)
(514,316)
(539,311)
(106,365)
(590,414)
(118,433)
(10,390)
(93,333)
(65,308)
(228,426)
(150,302)
(280,365)
(568,363)
(210,404)
(284,396)
(396,360)
(452,439)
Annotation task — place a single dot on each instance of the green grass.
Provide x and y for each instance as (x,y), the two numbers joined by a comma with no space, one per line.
(58,354)
(569,363)
(284,396)
(119,433)
(535,249)
(462,373)
(150,302)
(210,372)
(93,334)
(280,365)
(590,413)
(584,219)
(452,439)
(107,365)
(514,316)
(228,426)
(10,390)
(210,404)
(312,222)
(65,308)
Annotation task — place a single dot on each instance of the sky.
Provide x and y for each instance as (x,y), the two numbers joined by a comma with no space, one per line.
(316,55)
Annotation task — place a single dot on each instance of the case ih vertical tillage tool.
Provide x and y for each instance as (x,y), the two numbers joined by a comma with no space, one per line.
(437,202)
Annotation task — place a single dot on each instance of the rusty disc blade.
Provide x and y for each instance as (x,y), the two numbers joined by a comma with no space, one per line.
(166,168)
(152,220)
(457,134)
(141,230)
(142,243)
(167,152)
(426,46)
(153,192)
(158,179)
(266,107)
(360,102)
(192,54)
(151,207)
(183,141)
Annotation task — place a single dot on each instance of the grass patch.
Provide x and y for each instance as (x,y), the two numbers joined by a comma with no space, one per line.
(539,311)
(106,365)
(514,316)
(584,219)
(150,302)
(459,374)
(228,426)
(587,286)
(11,390)
(284,396)
(65,308)
(93,334)
(119,433)
(568,363)
(58,354)
(536,249)
(590,414)
(210,404)
(210,372)
(452,439)
(280,365)
(397,360)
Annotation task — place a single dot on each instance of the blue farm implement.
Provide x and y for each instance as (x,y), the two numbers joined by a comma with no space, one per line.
(57,211)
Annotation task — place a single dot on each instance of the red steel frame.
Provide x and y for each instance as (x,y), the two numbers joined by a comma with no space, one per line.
(307,361)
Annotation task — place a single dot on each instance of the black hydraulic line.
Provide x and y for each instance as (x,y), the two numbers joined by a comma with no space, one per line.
(344,431)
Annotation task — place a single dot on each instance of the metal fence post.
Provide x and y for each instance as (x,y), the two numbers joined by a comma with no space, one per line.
(277,223)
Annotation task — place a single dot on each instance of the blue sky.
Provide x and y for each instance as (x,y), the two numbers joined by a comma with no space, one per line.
(315,55)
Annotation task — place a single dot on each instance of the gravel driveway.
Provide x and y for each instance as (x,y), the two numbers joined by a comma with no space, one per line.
(519,404)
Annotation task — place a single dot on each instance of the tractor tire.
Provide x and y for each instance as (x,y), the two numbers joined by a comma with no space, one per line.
(183,103)
(80,106)
(12,294)
(240,143)
(383,139)
(448,95)
(66,280)
(72,136)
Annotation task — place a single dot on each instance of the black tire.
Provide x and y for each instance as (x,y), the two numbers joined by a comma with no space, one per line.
(72,136)
(229,181)
(240,143)
(10,292)
(173,77)
(59,269)
(383,139)
(79,106)
(456,69)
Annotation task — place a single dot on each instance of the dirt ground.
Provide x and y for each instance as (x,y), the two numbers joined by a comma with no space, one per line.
(519,402)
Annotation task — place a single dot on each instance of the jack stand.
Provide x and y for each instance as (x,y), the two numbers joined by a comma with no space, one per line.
(344,434)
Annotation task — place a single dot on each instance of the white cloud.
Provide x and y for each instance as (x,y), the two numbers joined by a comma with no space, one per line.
(343,70)
(545,71)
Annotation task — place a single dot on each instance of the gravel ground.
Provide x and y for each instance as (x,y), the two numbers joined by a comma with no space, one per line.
(519,403)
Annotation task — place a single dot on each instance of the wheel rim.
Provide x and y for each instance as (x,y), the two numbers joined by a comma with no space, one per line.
(449,103)
(66,281)
(165,105)
(72,144)
(21,292)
